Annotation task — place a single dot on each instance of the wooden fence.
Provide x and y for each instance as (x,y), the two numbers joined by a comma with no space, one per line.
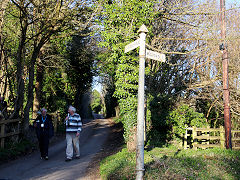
(236,139)
(208,138)
(4,130)
(11,127)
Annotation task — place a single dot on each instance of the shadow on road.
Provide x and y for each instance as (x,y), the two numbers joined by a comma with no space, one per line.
(93,136)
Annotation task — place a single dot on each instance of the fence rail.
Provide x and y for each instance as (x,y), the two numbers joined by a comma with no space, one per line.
(208,138)
(4,134)
(236,139)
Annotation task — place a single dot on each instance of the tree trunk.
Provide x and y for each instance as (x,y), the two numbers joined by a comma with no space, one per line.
(3,5)
(30,90)
(132,140)
(30,96)
(38,90)
(77,101)
(20,82)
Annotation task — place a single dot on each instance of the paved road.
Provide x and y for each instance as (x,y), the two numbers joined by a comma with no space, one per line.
(93,135)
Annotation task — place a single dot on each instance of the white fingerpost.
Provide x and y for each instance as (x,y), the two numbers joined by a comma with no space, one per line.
(140,111)
(143,53)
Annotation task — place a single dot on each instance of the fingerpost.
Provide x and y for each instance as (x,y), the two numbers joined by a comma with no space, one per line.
(140,111)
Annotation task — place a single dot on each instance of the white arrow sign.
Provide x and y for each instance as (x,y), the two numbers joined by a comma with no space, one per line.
(155,55)
(132,45)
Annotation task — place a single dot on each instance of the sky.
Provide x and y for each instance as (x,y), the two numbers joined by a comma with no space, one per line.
(96,84)
(229,2)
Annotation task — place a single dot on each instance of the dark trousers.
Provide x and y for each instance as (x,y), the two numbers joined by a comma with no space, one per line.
(43,140)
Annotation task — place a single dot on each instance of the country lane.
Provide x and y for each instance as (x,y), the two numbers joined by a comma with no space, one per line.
(93,135)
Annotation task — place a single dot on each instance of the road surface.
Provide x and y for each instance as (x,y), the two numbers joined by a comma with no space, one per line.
(93,135)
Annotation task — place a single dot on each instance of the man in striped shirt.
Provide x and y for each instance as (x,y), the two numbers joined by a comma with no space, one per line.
(73,128)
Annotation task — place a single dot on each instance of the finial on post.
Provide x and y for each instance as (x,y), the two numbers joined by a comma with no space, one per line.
(143,28)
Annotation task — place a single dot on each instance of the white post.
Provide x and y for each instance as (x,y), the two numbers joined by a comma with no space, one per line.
(140,111)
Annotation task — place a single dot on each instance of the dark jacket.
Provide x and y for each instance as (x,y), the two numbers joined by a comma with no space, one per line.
(44,126)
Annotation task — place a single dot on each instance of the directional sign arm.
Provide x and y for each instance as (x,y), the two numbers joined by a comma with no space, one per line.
(132,45)
(155,55)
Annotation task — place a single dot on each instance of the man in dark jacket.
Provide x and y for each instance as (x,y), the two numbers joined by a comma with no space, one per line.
(44,127)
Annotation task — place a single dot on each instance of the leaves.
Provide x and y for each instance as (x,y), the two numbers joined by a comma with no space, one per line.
(183,117)
(120,22)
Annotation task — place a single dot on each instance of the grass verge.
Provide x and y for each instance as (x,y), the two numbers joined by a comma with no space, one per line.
(171,163)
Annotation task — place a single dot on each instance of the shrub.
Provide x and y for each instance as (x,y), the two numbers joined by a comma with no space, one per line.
(183,117)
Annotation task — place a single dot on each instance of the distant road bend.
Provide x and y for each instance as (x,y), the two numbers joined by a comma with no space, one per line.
(93,135)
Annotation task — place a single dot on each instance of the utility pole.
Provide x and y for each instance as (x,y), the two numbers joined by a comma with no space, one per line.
(226,94)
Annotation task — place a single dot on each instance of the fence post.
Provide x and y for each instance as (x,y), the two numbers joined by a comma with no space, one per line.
(208,135)
(185,140)
(2,134)
(194,134)
(222,137)
(233,141)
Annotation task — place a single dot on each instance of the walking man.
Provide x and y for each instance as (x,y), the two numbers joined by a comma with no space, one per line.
(44,128)
(73,128)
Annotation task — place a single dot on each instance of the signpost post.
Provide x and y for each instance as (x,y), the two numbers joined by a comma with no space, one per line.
(143,53)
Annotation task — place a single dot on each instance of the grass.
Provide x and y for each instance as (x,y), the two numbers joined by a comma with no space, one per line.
(118,166)
(171,163)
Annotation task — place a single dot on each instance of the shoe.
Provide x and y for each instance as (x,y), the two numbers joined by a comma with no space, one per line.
(77,157)
(68,159)
(46,158)
(41,157)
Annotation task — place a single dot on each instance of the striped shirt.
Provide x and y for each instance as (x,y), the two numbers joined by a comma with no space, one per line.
(74,123)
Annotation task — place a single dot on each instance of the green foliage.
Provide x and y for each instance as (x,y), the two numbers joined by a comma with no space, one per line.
(206,107)
(53,92)
(171,163)
(80,71)
(12,151)
(96,102)
(38,34)
(183,117)
(121,20)
(158,110)
(118,166)
(160,107)
(66,85)
(191,164)
(128,115)
(80,63)
(110,102)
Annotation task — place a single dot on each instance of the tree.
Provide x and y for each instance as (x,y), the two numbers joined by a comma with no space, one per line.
(183,117)
(186,31)
(80,58)
(36,23)
(120,21)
